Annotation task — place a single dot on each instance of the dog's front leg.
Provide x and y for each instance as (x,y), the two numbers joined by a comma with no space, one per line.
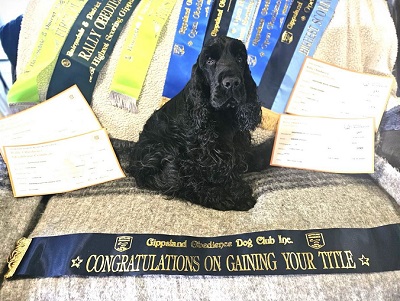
(224,197)
(259,156)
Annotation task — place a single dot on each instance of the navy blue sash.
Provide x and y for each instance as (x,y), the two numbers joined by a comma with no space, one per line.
(277,252)
(220,19)
(283,52)
(89,44)
(267,30)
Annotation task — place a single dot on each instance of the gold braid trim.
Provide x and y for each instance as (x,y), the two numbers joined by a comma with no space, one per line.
(16,256)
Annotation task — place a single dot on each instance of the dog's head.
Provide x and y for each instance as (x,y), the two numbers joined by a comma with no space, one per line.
(222,72)
(222,69)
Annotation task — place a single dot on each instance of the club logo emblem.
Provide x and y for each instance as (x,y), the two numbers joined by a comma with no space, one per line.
(252,60)
(123,243)
(179,49)
(287,37)
(315,240)
(66,63)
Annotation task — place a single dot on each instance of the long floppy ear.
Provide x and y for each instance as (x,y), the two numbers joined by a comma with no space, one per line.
(198,80)
(199,93)
(249,114)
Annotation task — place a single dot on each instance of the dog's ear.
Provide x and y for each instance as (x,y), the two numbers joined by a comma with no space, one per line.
(199,92)
(198,80)
(249,114)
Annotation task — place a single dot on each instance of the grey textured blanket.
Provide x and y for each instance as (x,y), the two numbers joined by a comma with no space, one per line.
(287,199)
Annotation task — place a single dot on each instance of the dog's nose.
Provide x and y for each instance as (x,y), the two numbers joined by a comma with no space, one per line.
(231,82)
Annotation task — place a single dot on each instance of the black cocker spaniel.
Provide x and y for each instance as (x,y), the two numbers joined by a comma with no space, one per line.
(198,145)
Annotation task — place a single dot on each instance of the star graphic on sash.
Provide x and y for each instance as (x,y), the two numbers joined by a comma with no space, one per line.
(364,260)
(76,263)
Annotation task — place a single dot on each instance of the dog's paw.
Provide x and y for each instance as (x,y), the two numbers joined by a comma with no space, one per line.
(245,204)
(242,202)
(238,197)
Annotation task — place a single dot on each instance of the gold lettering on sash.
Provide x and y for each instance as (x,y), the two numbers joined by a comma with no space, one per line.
(210,244)
(299,260)
(258,32)
(215,263)
(185,21)
(100,55)
(216,28)
(212,263)
(265,8)
(114,28)
(309,6)
(261,240)
(244,243)
(284,240)
(337,259)
(274,15)
(197,12)
(126,8)
(296,12)
(251,262)
(152,242)
(142,262)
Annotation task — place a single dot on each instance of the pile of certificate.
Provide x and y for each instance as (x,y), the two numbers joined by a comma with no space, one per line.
(331,120)
(57,146)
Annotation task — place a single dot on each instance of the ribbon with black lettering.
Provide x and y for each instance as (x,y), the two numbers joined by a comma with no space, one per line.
(277,252)
(303,30)
(89,44)
(220,19)
(188,42)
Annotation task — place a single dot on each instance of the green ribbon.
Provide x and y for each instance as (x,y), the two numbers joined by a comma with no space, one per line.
(138,50)
(54,30)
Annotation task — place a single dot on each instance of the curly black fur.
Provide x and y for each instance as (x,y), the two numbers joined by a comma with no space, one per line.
(198,144)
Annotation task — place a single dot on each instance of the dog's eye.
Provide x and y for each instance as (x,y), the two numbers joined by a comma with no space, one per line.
(210,61)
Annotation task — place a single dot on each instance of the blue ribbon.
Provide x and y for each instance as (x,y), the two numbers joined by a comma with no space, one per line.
(187,45)
(242,20)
